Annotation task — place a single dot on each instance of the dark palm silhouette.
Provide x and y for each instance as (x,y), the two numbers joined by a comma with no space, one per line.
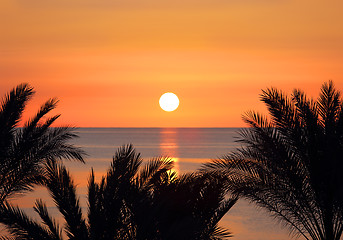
(130,202)
(24,151)
(291,164)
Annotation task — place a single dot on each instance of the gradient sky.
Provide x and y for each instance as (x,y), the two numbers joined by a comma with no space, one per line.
(109,61)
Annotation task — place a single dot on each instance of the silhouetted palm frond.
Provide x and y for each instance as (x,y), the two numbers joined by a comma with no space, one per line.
(63,191)
(291,163)
(7,238)
(51,223)
(24,151)
(153,171)
(20,225)
(11,110)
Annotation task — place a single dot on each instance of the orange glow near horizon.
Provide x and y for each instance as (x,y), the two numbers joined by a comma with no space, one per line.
(109,61)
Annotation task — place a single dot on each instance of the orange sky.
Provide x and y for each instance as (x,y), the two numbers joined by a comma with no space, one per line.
(108,61)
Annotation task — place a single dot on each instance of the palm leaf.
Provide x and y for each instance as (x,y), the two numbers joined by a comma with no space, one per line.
(63,191)
(290,164)
(23,151)
(20,225)
(53,226)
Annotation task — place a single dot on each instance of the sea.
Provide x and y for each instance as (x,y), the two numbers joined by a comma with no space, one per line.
(188,147)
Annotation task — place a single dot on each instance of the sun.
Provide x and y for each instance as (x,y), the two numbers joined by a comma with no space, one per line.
(169,102)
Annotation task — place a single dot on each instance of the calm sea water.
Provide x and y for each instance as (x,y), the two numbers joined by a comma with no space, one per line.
(189,147)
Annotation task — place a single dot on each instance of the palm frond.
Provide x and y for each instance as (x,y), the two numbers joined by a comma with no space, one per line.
(23,151)
(20,225)
(96,214)
(126,161)
(12,107)
(223,207)
(6,238)
(55,145)
(55,230)
(153,171)
(111,193)
(291,164)
(11,110)
(32,124)
(329,103)
(220,233)
(63,191)
(281,109)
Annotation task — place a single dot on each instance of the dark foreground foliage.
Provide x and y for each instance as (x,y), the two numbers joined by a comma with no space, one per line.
(292,163)
(131,202)
(25,151)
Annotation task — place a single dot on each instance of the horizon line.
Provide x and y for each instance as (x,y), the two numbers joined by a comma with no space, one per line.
(161,127)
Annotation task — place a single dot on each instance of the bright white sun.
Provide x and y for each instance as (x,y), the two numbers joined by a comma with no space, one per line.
(169,102)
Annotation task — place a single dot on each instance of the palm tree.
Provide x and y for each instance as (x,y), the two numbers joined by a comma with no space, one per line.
(24,151)
(291,163)
(130,202)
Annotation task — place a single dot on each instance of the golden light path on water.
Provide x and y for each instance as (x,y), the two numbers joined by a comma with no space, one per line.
(169,147)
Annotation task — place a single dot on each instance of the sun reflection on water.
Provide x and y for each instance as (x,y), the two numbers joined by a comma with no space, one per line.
(169,146)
